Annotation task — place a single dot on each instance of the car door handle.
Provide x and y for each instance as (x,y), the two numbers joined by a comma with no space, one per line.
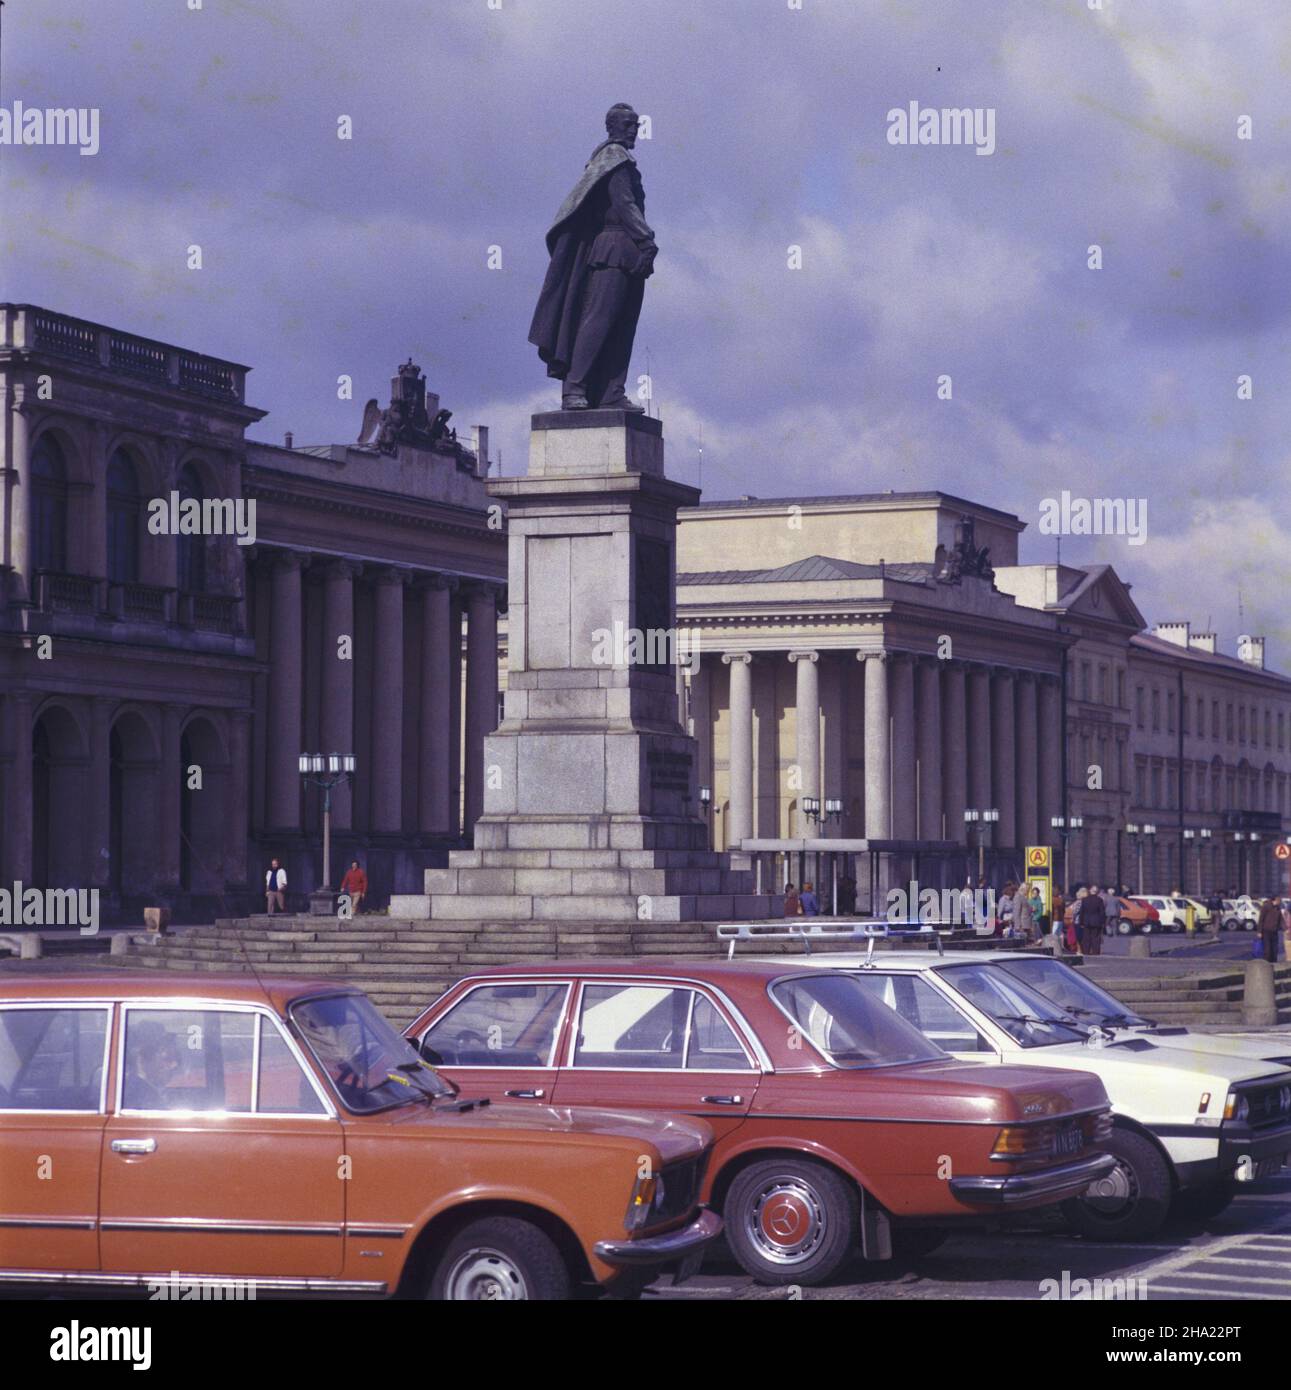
(527,1095)
(722,1100)
(134,1146)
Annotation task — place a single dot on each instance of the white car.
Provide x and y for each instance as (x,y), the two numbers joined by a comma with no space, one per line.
(1173,916)
(1187,1123)
(1240,914)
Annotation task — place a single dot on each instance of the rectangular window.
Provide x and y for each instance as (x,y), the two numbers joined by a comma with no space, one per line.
(1120,689)
(1156,786)
(1282,730)
(1156,710)
(1104,693)
(1140,786)
(1138,706)
(1241,723)
(1084,680)
(1183,714)
(1228,721)
(1171,789)
(504,1025)
(1214,719)
(52,1059)
(1169,711)
(189,1059)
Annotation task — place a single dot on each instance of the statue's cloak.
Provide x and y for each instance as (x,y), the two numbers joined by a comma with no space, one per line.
(569,244)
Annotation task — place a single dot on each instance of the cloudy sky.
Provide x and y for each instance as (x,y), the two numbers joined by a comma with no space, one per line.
(1116,126)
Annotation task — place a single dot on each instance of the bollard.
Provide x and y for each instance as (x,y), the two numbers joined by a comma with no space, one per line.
(32,946)
(1259,1003)
(1140,947)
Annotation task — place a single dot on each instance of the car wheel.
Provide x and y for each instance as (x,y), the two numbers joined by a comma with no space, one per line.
(503,1259)
(1148,928)
(1228,924)
(1203,1203)
(1125,926)
(1132,1201)
(1248,924)
(791,1221)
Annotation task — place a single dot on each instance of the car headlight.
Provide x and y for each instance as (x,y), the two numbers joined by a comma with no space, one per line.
(1237,1108)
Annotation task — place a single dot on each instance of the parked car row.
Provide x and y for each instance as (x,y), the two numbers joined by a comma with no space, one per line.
(542,1129)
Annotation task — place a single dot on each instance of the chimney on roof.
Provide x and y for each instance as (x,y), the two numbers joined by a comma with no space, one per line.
(1202,642)
(1251,650)
(481,451)
(288,440)
(1178,633)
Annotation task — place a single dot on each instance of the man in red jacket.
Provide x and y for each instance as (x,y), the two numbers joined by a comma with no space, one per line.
(355,884)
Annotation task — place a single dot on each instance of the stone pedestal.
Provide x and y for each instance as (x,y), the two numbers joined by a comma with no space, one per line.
(591,804)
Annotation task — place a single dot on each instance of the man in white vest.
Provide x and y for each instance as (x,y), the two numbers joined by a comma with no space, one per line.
(275,887)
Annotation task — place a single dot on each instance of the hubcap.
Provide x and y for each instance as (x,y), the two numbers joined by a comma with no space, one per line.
(1110,1196)
(786,1220)
(485,1276)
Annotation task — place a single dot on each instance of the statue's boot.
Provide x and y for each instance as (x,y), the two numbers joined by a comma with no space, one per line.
(574,397)
(622,402)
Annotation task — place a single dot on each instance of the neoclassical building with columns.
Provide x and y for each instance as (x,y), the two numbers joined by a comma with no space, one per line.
(891,656)
(886,652)
(156,690)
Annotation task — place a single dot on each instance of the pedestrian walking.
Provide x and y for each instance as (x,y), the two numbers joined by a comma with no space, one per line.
(847,896)
(275,888)
(355,884)
(810,907)
(1270,927)
(792,903)
(1112,910)
(1023,913)
(1039,917)
(1093,918)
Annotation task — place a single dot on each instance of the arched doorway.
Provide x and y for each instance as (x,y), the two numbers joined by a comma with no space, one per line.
(124,519)
(203,798)
(48,517)
(134,800)
(58,801)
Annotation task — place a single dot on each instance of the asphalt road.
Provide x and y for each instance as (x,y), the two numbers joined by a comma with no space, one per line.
(1243,1254)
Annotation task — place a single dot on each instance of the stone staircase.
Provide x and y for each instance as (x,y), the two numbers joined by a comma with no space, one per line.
(1212,999)
(403,963)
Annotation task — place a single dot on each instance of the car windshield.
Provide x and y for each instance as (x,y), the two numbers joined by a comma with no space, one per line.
(1070,990)
(369,1063)
(838,1016)
(1028,1018)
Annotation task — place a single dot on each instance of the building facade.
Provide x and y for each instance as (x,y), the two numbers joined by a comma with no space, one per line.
(160,679)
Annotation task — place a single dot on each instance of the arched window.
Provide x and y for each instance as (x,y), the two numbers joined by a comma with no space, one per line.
(192,549)
(48,514)
(123,520)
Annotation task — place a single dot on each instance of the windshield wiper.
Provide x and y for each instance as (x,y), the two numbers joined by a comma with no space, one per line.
(1043,1022)
(411,1070)
(1128,1020)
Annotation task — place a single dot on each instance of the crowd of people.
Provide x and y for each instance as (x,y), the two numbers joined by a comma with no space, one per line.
(1020,914)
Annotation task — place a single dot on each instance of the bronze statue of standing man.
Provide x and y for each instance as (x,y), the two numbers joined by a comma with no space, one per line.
(602,252)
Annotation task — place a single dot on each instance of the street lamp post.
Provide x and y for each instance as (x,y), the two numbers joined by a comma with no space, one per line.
(326,771)
(1242,839)
(1200,836)
(706,801)
(1066,826)
(1140,833)
(980,819)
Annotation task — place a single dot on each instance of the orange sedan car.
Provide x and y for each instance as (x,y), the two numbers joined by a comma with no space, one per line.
(284,1134)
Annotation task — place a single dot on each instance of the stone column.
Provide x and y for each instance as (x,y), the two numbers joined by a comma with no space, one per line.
(387,703)
(18,788)
(285,675)
(904,788)
(436,793)
(979,738)
(954,749)
(239,793)
(807,718)
(481,690)
(1004,770)
(929,737)
(172,716)
(739,823)
(19,503)
(336,706)
(1050,752)
(878,754)
(99,790)
(1027,763)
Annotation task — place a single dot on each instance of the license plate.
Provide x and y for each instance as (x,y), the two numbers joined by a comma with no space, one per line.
(1070,1141)
(1270,1167)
